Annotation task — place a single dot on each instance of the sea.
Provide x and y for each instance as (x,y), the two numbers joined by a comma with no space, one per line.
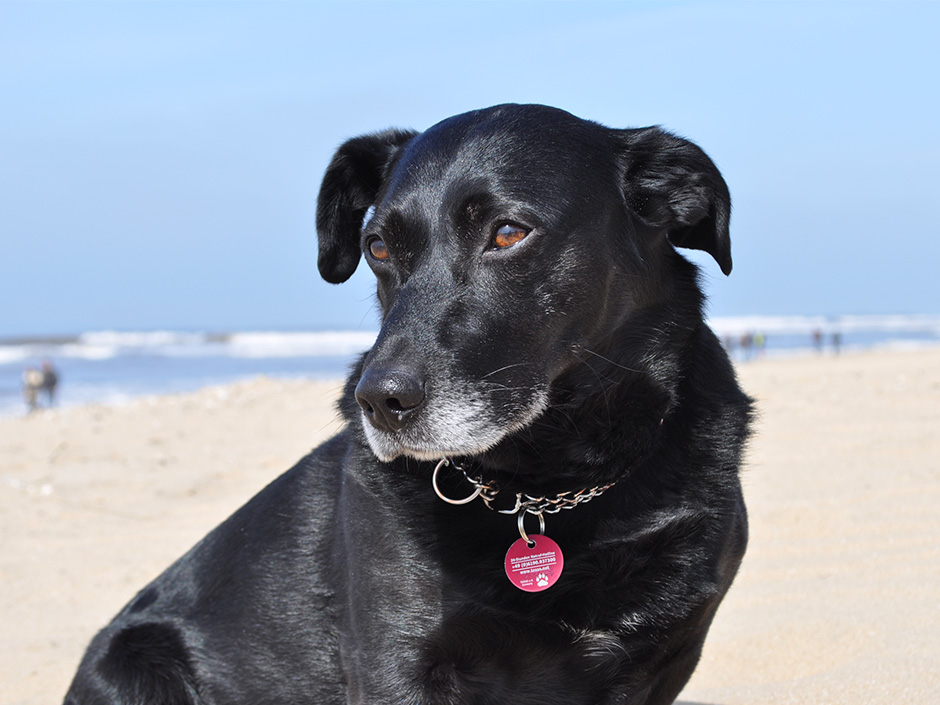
(114,367)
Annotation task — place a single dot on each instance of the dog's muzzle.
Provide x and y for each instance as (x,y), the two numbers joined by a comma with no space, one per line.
(406,413)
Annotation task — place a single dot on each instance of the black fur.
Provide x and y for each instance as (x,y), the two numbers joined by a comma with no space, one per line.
(574,358)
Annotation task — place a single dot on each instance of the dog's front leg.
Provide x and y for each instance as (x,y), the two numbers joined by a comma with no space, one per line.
(489,657)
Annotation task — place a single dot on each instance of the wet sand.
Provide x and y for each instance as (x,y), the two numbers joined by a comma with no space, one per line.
(838,599)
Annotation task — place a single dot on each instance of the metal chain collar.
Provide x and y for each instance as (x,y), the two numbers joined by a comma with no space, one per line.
(525,503)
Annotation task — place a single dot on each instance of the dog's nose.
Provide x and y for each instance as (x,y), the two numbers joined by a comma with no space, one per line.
(389,397)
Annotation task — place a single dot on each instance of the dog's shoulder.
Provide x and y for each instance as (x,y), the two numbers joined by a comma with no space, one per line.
(240,588)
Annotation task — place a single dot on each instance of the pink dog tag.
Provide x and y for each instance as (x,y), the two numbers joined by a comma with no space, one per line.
(537,568)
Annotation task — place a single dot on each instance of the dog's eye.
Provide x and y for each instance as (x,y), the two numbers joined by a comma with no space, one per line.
(377,249)
(508,235)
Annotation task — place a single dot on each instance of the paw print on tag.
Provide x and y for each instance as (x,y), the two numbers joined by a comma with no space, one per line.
(541,580)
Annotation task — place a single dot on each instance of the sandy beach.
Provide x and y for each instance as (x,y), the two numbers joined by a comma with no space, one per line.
(838,599)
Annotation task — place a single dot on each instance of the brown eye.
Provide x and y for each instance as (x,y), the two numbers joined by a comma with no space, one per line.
(377,249)
(508,235)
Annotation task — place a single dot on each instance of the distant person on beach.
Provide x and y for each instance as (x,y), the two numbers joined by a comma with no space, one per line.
(50,380)
(747,341)
(32,383)
(818,340)
(837,342)
(760,342)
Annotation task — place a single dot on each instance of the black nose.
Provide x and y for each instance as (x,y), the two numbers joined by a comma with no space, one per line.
(389,397)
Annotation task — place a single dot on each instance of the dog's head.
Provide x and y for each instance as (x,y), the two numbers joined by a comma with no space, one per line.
(504,242)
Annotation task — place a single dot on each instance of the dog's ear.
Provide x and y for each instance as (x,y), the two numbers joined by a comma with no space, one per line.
(673,185)
(349,187)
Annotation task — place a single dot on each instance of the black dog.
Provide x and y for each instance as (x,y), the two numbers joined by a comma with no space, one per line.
(539,332)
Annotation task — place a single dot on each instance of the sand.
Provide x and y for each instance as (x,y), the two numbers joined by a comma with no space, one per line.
(838,599)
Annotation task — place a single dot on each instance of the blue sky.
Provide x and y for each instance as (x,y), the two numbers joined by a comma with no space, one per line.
(159,162)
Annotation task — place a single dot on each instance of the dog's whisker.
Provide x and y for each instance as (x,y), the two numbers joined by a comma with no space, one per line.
(608,360)
(503,368)
(505,388)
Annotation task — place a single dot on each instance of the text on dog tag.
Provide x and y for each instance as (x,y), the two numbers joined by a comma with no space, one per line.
(534,568)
